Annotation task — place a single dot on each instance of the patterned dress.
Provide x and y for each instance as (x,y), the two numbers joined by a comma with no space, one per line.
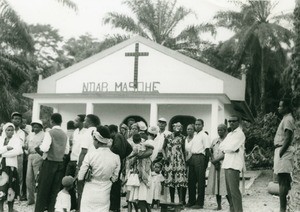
(175,167)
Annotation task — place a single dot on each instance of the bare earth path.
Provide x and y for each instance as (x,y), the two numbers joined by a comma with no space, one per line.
(256,199)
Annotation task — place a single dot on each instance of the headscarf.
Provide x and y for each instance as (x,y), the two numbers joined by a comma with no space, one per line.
(8,124)
(97,136)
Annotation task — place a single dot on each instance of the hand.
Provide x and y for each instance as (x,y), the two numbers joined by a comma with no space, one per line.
(281,153)
(9,148)
(217,166)
(214,161)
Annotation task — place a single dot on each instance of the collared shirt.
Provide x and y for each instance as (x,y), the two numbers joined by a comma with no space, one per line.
(78,137)
(33,140)
(87,139)
(287,123)
(45,146)
(199,143)
(234,141)
(21,134)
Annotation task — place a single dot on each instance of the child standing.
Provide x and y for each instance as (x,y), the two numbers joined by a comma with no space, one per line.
(63,199)
(157,184)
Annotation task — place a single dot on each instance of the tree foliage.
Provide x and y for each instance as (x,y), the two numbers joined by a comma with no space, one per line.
(158,21)
(78,49)
(258,49)
(259,140)
(16,46)
(16,59)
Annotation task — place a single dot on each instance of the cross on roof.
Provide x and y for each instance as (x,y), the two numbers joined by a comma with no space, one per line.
(136,54)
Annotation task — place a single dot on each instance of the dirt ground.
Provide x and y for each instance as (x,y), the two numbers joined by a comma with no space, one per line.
(255,199)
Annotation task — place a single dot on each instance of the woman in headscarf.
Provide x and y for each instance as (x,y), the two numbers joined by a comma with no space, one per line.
(216,178)
(10,148)
(105,167)
(175,166)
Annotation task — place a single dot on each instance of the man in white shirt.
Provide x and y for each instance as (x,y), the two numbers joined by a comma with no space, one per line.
(91,122)
(54,147)
(233,147)
(78,137)
(199,148)
(16,119)
(160,138)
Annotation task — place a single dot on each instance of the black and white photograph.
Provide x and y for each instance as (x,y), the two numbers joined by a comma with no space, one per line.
(149,105)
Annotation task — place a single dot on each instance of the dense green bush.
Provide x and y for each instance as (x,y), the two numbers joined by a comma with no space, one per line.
(259,141)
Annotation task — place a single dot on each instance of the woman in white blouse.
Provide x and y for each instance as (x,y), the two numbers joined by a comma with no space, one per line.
(10,148)
(105,166)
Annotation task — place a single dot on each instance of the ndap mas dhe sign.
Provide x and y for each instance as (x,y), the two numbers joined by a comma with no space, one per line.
(119,87)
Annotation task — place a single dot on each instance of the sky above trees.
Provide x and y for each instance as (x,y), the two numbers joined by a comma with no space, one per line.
(89,17)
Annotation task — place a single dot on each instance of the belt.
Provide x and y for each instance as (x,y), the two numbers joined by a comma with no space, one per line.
(278,145)
(197,154)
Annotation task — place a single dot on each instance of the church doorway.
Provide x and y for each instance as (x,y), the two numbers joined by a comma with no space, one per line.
(184,120)
(136,118)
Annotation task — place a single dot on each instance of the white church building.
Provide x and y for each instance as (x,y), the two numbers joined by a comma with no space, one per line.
(142,79)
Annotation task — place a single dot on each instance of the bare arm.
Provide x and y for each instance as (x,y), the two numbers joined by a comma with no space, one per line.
(218,159)
(146,153)
(288,137)
(81,156)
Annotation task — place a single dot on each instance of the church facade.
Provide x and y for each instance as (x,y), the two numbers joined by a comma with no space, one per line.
(142,79)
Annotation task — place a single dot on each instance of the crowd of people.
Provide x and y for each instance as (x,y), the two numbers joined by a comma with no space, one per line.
(90,166)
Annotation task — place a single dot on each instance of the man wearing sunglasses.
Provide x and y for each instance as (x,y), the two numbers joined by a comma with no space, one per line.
(233,149)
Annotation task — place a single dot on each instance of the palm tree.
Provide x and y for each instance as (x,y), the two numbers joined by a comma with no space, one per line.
(158,22)
(257,45)
(16,48)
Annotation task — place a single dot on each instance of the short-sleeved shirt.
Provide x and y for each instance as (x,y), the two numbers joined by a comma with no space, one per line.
(76,147)
(34,140)
(88,141)
(287,123)
(21,134)
(199,143)
(63,200)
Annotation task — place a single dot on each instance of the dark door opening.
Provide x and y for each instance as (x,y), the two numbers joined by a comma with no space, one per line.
(136,118)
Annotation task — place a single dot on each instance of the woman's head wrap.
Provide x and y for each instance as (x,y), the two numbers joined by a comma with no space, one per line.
(102,135)
(8,124)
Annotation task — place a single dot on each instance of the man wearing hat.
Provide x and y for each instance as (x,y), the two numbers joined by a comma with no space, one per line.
(16,119)
(162,133)
(35,160)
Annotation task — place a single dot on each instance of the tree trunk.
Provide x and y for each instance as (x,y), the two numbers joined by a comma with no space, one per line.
(262,81)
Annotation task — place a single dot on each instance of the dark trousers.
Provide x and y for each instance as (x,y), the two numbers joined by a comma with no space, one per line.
(115,196)
(196,177)
(115,192)
(70,171)
(232,178)
(51,174)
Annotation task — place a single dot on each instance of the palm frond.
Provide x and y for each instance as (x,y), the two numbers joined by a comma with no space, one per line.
(13,30)
(124,22)
(69,3)
(283,17)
